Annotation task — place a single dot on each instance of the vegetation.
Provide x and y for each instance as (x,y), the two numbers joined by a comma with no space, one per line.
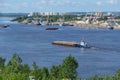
(59,18)
(15,70)
(51,18)
(20,19)
(13,14)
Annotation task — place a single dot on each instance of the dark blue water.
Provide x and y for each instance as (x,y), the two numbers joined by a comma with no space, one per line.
(33,43)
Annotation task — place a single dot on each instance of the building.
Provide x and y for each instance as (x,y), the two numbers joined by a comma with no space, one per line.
(99,14)
(34,14)
(42,13)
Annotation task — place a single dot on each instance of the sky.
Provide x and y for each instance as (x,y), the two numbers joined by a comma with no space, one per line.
(27,6)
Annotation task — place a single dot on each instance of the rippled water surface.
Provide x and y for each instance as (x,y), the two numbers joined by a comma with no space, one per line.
(33,43)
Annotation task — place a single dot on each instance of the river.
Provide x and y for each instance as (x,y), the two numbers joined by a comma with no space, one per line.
(33,43)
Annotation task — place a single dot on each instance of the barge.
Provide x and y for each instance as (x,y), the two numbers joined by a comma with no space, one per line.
(81,44)
(51,28)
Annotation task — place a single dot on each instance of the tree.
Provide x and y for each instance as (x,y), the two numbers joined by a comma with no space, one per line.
(54,72)
(16,76)
(34,66)
(68,68)
(36,72)
(2,64)
(14,65)
(25,69)
(45,73)
(117,75)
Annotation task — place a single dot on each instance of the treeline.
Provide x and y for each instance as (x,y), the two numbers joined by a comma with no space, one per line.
(13,14)
(15,70)
(50,18)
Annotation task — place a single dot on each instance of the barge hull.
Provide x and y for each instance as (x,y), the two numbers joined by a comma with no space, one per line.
(64,43)
(72,44)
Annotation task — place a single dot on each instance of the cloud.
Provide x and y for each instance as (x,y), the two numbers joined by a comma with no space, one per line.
(5,5)
(64,3)
(43,1)
(98,3)
(112,1)
(25,4)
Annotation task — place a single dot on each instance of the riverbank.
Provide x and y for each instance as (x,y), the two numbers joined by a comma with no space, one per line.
(101,24)
(105,21)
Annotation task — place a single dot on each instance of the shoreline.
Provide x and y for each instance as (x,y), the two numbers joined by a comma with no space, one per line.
(100,25)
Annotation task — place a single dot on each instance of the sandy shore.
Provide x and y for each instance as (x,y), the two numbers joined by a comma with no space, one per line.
(95,25)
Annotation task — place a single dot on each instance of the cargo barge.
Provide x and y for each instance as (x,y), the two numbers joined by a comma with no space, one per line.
(81,44)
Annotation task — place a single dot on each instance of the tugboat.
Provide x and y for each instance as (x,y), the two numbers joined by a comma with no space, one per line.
(82,44)
(110,27)
(111,23)
(4,26)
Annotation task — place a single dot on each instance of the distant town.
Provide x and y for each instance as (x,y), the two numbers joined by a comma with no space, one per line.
(109,20)
(53,13)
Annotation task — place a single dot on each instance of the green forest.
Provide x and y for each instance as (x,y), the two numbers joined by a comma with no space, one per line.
(16,70)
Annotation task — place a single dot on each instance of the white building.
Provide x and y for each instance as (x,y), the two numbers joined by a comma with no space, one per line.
(42,13)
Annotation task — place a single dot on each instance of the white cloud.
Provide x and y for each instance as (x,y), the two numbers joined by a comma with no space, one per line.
(25,4)
(98,3)
(5,5)
(43,1)
(57,3)
(112,1)
(52,2)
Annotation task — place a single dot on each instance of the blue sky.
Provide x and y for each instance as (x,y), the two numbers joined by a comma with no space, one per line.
(21,6)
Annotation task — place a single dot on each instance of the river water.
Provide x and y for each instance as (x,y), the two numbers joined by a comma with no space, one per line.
(33,43)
